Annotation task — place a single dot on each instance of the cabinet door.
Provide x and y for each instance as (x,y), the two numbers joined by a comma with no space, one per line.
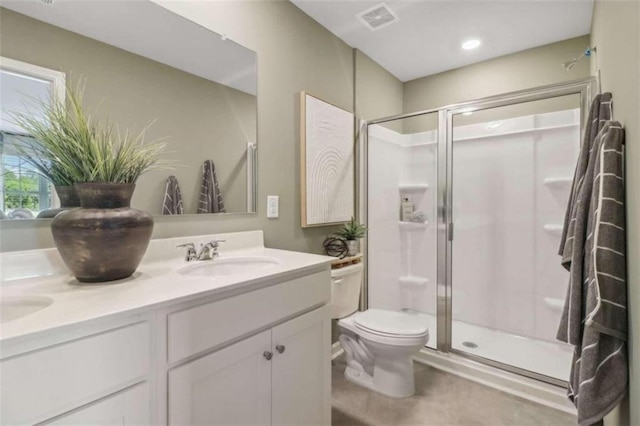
(128,407)
(301,370)
(229,387)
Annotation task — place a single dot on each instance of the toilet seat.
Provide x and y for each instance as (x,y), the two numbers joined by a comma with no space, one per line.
(377,336)
(405,324)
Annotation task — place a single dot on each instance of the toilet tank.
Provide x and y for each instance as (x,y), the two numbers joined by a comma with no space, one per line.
(346,283)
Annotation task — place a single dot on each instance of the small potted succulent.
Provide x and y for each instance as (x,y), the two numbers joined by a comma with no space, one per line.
(351,232)
(105,238)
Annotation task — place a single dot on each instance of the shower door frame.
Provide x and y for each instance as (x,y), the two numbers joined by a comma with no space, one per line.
(586,88)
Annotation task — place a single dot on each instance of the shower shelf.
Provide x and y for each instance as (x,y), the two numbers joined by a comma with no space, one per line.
(413,282)
(559,182)
(412,226)
(413,187)
(554,229)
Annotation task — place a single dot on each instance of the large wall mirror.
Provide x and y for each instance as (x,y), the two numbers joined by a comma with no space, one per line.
(140,64)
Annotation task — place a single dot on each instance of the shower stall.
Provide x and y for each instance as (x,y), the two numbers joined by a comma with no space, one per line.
(488,182)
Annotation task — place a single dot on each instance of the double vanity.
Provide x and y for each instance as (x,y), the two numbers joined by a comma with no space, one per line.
(243,338)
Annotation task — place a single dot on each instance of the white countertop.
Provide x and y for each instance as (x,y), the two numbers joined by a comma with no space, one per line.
(156,282)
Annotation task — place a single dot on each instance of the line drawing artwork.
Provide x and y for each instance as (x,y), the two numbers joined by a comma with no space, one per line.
(327,163)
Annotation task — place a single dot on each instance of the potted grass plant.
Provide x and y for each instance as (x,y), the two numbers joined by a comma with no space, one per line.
(105,238)
(351,232)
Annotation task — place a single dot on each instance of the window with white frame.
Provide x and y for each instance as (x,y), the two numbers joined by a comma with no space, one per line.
(20,185)
(23,191)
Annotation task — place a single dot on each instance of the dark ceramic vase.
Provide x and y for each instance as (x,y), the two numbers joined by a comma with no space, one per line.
(105,239)
(68,200)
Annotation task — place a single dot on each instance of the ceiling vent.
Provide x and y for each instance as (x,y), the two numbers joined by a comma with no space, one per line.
(377,17)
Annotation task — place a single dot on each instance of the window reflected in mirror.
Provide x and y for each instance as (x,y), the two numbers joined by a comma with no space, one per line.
(195,89)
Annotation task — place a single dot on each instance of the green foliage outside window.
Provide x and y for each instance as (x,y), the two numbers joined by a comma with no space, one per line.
(21,191)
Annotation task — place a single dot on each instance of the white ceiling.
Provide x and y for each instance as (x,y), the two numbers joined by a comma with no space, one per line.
(427,37)
(147,29)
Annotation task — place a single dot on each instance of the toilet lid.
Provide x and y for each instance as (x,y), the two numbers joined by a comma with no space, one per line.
(392,323)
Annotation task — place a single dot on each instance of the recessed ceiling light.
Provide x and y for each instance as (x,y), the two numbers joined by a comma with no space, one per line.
(471,44)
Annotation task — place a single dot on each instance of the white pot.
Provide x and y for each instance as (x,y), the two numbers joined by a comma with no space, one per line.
(353,246)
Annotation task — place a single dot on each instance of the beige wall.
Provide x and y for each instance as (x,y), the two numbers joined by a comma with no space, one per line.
(616,35)
(294,54)
(523,70)
(200,119)
(377,92)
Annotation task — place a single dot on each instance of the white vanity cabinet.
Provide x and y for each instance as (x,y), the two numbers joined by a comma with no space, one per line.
(231,386)
(301,370)
(126,408)
(166,348)
(41,384)
(279,376)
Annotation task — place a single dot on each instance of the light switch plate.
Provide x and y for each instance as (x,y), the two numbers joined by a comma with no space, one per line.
(272,206)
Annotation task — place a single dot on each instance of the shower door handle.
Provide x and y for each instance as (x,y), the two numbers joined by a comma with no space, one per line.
(450,236)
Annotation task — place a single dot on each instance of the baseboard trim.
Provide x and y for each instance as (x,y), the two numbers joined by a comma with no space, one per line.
(336,350)
(523,387)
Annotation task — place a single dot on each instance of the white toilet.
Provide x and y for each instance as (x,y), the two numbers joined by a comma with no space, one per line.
(379,344)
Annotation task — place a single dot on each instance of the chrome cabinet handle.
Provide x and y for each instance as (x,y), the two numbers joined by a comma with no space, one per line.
(280,348)
(268,355)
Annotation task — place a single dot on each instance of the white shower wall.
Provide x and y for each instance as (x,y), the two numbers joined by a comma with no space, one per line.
(511,181)
(402,257)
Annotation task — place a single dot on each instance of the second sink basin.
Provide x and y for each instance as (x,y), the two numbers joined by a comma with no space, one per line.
(229,266)
(12,308)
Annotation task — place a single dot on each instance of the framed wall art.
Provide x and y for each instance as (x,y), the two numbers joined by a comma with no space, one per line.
(327,162)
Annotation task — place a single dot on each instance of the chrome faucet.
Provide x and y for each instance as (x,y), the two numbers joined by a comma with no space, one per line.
(208,251)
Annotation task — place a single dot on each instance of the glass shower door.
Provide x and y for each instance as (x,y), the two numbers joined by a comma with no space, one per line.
(512,168)
(402,251)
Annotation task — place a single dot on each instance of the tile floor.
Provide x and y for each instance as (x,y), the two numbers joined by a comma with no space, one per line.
(441,399)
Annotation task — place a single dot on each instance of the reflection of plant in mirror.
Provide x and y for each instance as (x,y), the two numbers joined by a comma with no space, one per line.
(71,146)
(352,230)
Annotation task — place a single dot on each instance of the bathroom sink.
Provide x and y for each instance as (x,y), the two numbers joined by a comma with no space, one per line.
(12,308)
(230,266)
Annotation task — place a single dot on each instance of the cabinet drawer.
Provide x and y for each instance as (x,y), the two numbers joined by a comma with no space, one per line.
(129,407)
(45,383)
(205,326)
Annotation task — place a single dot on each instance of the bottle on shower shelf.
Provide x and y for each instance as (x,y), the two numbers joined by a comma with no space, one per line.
(406,209)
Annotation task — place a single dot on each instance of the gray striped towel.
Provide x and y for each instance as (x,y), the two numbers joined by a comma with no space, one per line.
(599,113)
(211,200)
(172,203)
(594,318)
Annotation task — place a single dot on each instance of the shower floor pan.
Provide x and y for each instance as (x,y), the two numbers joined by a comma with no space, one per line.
(542,357)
